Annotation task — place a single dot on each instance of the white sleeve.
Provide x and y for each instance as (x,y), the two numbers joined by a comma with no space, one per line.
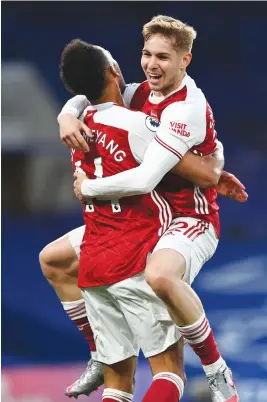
(128,93)
(219,148)
(140,180)
(142,130)
(218,153)
(75,106)
(183,125)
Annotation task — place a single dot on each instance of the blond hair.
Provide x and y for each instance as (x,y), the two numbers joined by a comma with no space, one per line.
(182,34)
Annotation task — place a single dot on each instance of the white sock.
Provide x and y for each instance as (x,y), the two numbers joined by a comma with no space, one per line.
(116,395)
(197,332)
(75,309)
(212,369)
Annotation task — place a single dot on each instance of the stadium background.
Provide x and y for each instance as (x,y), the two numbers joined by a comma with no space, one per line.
(41,350)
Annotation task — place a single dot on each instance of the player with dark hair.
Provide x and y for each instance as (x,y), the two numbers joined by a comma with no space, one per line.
(118,237)
(59,260)
(187,123)
(83,69)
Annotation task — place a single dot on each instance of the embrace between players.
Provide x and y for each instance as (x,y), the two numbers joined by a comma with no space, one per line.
(151,218)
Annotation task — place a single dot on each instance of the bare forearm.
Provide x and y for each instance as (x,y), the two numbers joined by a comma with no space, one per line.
(202,171)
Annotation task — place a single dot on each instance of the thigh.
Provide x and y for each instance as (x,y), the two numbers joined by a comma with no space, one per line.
(75,238)
(194,239)
(115,340)
(61,252)
(146,315)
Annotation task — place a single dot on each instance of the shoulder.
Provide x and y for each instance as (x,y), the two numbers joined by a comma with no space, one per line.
(193,107)
(195,98)
(129,92)
(187,118)
(119,117)
(135,95)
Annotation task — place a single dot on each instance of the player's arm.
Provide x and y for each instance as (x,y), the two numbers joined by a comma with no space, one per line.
(70,127)
(74,106)
(164,152)
(204,171)
(140,180)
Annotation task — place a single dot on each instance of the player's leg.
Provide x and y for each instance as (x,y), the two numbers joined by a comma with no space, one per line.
(59,261)
(149,319)
(168,378)
(119,379)
(172,359)
(177,259)
(111,328)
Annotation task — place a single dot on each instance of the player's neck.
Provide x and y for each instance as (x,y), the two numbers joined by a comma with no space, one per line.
(111,94)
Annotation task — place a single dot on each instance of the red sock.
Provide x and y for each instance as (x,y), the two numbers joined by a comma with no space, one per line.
(77,313)
(166,387)
(114,395)
(201,339)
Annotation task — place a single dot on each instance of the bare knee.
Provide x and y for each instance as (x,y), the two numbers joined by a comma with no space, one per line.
(45,258)
(158,281)
(164,272)
(47,263)
(58,260)
(160,277)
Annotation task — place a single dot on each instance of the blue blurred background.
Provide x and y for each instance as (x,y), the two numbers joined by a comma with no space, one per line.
(229,64)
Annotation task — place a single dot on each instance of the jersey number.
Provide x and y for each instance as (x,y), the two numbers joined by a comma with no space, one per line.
(115,205)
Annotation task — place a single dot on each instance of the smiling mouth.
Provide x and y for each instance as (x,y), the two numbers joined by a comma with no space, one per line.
(154,77)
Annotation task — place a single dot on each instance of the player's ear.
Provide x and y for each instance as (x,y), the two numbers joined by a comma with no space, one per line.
(113,71)
(187,57)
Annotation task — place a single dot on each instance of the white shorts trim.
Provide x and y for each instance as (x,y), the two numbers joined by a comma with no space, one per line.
(195,239)
(76,237)
(128,316)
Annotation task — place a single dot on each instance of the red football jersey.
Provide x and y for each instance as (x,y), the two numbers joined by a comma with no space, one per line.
(119,234)
(185,198)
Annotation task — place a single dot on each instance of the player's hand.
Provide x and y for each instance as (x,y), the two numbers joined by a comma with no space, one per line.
(229,186)
(71,130)
(77,185)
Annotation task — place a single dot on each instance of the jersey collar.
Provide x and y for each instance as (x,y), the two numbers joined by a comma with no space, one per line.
(101,106)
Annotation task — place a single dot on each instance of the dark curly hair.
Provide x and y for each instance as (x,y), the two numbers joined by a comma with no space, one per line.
(83,69)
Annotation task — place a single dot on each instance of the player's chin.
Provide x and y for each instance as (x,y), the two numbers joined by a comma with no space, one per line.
(155,86)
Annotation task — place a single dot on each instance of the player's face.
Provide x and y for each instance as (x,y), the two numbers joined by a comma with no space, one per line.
(163,66)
